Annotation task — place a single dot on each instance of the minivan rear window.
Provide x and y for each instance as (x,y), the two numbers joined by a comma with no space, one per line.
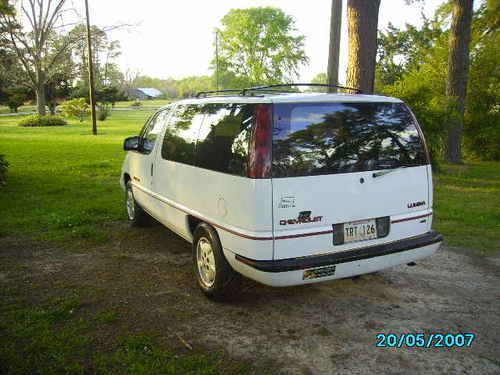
(328,138)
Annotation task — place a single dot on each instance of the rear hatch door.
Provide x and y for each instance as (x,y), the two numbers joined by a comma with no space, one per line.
(346,175)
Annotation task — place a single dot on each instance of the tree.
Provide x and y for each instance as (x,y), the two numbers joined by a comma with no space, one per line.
(362,20)
(321,78)
(421,60)
(6,8)
(191,85)
(59,87)
(13,88)
(41,51)
(458,70)
(12,75)
(104,51)
(399,51)
(15,97)
(259,46)
(7,59)
(482,117)
(334,50)
(109,95)
(106,97)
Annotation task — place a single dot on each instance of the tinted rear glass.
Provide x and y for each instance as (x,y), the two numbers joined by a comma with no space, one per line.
(328,138)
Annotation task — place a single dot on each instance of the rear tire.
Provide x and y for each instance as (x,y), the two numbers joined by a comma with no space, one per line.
(215,277)
(136,215)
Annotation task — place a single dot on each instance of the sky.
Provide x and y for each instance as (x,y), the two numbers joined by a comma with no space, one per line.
(176,38)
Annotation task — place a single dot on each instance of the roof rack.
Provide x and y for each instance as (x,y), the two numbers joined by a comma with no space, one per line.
(204,94)
(272,89)
(264,88)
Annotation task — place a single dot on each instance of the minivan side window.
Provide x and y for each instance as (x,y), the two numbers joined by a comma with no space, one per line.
(328,138)
(179,143)
(152,129)
(224,137)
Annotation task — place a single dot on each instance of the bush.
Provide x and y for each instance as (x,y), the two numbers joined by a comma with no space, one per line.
(136,103)
(102,112)
(13,97)
(15,101)
(3,170)
(37,120)
(75,108)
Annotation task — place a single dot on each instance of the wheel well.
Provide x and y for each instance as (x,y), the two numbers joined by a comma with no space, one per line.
(126,178)
(193,223)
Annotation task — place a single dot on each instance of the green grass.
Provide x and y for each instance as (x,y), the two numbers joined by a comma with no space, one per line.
(62,338)
(63,181)
(30,338)
(467,205)
(139,354)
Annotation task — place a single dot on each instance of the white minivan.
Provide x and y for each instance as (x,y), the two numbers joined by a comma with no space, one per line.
(284,188)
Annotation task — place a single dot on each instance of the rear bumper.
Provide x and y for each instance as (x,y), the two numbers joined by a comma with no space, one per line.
(286,272)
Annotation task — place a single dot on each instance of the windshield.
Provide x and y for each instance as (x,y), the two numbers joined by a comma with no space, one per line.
(328,138)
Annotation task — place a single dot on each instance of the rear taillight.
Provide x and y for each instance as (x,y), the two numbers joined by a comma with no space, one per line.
(259,156)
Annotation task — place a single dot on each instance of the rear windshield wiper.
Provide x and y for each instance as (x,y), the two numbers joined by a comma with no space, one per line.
(383,173)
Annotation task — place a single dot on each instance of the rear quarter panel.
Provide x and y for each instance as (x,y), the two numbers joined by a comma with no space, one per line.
(239,208)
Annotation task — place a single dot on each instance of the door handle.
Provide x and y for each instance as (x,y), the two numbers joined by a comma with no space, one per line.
(151,169)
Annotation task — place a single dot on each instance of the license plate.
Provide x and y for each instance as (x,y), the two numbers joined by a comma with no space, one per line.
(360,231)
(318,272)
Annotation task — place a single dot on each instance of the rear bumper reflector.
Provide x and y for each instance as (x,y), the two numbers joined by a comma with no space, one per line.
(301,263)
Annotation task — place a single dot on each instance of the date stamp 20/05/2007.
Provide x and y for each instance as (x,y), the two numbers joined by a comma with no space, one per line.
(424,340)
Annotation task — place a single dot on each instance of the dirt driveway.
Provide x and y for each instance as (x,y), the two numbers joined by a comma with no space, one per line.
(145,276)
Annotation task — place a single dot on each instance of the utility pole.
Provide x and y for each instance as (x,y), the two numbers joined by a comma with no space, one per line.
(334,51)
(91,72)
(217,60)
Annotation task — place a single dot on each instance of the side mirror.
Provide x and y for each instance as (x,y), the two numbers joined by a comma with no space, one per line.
(131,144)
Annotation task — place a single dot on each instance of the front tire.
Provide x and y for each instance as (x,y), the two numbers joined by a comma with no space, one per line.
(136,215)
(215,277)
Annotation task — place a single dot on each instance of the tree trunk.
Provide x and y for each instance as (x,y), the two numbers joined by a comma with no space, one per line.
(334,51)
(458,70)
(362,20)
(40,99)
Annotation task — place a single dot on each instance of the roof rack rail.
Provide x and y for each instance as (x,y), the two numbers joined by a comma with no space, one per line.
(264,88)
(272,89)
(207,93)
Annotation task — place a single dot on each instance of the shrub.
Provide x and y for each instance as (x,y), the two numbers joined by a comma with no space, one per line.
(37,120)
(3,170)
(75,108)
(13,97)
(15,101)
(102,112)
(136,103)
